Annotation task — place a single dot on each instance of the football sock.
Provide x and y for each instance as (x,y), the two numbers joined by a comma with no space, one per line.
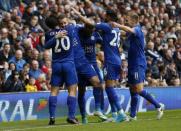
(81,102)
(149,98)
(52,105)
(71,102)
(134,102)
(113,98)
(102,100)
(113,108)
(97,96)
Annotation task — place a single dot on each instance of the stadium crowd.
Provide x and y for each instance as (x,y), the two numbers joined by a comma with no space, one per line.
(26,66)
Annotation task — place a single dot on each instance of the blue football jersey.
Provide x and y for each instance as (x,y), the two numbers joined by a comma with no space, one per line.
(62,47)
(88,43)
(79,53)
(136,55)
(111,42)
(77,48)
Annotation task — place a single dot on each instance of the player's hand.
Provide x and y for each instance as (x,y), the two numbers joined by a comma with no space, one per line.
(61,34)
(75,11)
(114,24)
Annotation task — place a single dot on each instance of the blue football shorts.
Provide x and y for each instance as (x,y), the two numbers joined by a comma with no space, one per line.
(85,82)
(136,75)
(112,72)
(64,72)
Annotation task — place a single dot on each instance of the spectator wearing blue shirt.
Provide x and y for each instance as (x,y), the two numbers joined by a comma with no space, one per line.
(18,60)
(35,72)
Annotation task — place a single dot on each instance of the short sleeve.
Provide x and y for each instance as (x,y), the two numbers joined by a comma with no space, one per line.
(104,27)
(137,31)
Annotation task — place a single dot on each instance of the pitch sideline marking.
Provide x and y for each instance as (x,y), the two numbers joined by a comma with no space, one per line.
(69,125)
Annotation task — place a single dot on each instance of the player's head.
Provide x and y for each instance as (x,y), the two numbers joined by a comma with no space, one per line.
(62,21)
(88,30)
(111,16)
(51,22)
(132,19)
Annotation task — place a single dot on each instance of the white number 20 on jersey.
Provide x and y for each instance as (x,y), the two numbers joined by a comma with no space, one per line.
(63,45)
(116,39)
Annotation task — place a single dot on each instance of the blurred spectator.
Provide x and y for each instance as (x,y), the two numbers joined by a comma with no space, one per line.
(46,67)
(4,37)
(171,72)
(31,87)
(41,83)
(34,37)
(18,60)
(6,71)
(35,71)
(5,20)
(13,83)
(27,14)
(175,81)
(24,74)
(151,52)
(35,55)
(34,23)
(12,66)
(5,53)
(168,57)
(46,56)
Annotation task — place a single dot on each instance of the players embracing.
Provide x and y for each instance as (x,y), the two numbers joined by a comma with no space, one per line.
(71,60)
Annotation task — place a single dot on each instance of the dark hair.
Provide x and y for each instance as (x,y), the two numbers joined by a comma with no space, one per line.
(6,44)
(15,72)
(61,16)
(51,22)
(112,14)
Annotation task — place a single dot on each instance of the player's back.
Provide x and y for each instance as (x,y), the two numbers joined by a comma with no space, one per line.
(62,47)
(111,42)
(136,56)
(79,54)
(88,43)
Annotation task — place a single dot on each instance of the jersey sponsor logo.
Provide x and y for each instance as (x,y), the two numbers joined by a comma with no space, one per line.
(89,49)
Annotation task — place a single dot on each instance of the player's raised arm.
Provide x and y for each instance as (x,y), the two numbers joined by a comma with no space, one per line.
(123,27)
(110,17)
(82,18)
(132,21)
(104,27)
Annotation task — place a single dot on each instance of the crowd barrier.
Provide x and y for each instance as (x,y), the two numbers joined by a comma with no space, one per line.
(32,106)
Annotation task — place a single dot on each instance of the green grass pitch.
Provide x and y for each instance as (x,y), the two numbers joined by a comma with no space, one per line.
(171,121)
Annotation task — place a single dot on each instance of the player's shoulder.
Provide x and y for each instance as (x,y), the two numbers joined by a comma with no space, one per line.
(138,28)
(103,24)
(52,32)
(99,23)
